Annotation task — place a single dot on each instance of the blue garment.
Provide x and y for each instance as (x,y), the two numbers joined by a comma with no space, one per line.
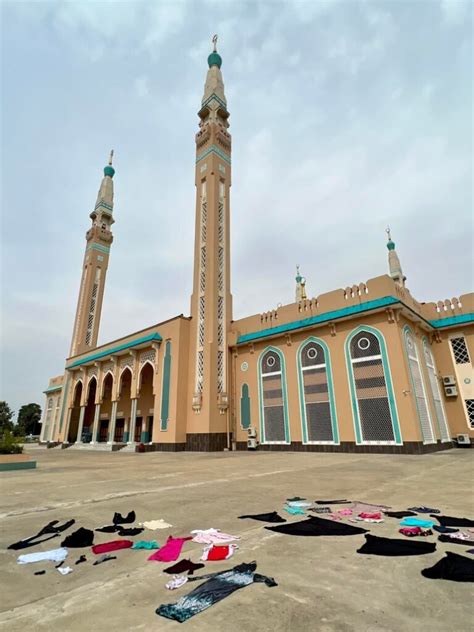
(295,511)
(146,544)
(417,522)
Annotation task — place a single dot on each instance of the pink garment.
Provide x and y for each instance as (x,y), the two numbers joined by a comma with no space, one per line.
(212,536)
(170,552)
(345,512)
(371,516)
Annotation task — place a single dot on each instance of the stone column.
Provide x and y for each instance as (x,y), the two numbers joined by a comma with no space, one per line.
(133,421)
(66,429)
(80,425)
(113,418)
(95,427)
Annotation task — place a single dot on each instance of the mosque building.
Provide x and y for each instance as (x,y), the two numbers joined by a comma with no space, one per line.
(366,368)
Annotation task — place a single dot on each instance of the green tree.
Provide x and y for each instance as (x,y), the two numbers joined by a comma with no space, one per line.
(6,416)
(28,420)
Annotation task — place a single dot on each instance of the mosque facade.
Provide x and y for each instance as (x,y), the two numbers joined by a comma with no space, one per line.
(365,368)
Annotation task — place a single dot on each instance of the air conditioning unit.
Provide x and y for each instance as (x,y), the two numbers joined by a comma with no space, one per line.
(252,433)
(252,444)
(449,380)
(450,391)
(463,439)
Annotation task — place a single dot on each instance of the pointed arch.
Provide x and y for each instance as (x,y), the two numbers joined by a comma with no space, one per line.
(373,402)
(418,386)
(106,377)
(122,378)
(89,385)
(273,397)
(140,373)
(316,393)
(441,418)
(78,383)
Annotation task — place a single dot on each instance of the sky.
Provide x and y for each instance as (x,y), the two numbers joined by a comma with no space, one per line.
(346,116)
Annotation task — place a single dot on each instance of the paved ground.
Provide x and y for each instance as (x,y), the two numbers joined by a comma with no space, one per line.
(324,584)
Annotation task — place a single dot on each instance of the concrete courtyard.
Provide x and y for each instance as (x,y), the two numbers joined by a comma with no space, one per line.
(323,584)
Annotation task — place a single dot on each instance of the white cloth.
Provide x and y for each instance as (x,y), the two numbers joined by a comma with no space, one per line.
(176,582)
(298,503)
(64,570)
(212,536)
(156,524)
(54,555)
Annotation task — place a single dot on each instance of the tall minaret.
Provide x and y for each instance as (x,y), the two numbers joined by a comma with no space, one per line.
(211,301)
(96,258)
(300,293)
(394,262)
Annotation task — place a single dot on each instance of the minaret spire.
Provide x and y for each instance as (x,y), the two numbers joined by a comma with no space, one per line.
(300,294)
(394,262)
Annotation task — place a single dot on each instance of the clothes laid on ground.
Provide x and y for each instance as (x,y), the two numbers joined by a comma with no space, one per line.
(445,529)
(411,532)
(360,506)
(365,516)
(217,587)
(64,571)
(52,529)
(156,524)
(110,528)
(454,539)
(119,519)
(332,502)
(375,545)
(416,522)
(82,559)
(427,510)
(295,511)
(399,514)
(266,517)
(298,503)
(77,539)
(104,558)
(40,572)
(170,551)
(452,521)
(113,545)
(454,567)
(54,555)
(315,526)
(470,551)
(212,536)
(60,564)
(295,499)
(320,510)
(214,553)
(176,582)
(146,544)
(128,532)
(183,566)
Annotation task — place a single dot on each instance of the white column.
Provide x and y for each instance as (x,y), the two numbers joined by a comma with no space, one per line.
(113,418)
(68,421)
(95,427)
(133,420)
(80,425)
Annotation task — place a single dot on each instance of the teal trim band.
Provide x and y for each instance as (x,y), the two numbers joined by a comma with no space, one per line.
(145,437)
(321,318)
(215,98)
(213,149)
(63,404)
(283,391)
(165,390)
(109,207)
(112,350)
(388,383)
(332,399)
(125,436)
(245,420)
(18,465)
(460,319)
(98,247)
(51,389)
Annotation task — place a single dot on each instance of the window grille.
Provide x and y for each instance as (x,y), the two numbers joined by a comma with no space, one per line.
(436,393)
(419,388)
(147,356)
(316,397)
(91,317)
(460,352)
(273,398)
(369,381)
(470,411)
(79,311)
(50,403)
(202,288)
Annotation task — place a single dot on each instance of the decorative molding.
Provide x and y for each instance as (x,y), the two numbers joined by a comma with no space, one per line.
(98,247)
(112,350)
(213,149)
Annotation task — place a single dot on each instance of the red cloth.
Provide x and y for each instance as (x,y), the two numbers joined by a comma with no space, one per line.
(170,552)
(113,545)
(372,516)
(218,553)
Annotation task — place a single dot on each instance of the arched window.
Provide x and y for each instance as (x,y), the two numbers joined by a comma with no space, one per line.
(418,387)
(318,413)
(435,392)
(273,405)
(373,403)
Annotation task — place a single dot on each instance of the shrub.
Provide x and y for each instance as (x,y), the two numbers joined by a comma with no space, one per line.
(9,444)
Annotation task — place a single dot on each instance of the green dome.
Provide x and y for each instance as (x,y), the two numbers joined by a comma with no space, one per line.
(391,245)
(214,59)
(109,171)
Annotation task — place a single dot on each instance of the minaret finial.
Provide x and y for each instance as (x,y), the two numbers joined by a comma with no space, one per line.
(387,230)
(214,41)
(111,156)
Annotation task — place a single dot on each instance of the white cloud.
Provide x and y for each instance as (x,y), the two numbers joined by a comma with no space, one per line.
(456,11)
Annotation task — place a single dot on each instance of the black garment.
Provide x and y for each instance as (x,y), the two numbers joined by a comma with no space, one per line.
(217,587)
(332,502)
(182,566)
(295,499)
(40,572)
(50,528)
(455,567)
(60,564)
(399,514)
(429,510)
(451,521)
(315,526)
(445,529)
(268,517)
(104,558)
(119,519)
(81,537)
(83,558)
(375,545)
(320,510)
(132,531)
(111,528)
(446,538)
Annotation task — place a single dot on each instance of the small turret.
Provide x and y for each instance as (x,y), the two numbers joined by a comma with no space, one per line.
(300,293)
(395,267)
